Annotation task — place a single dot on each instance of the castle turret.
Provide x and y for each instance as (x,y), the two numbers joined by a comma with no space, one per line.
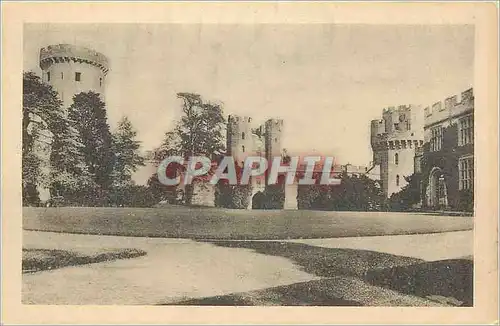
(394,140)
(72,69)
(273,138)
(240,142)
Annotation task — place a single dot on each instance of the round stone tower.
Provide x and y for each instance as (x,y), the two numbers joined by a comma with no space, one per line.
(394,140)
(72,69)
(273,141)
(239,137)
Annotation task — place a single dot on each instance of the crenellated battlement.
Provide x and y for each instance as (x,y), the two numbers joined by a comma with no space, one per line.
(62,53)
(451,104)
(239,119)
(274,122)
(394,109)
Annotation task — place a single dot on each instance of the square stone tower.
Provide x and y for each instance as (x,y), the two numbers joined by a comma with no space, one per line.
(394,139)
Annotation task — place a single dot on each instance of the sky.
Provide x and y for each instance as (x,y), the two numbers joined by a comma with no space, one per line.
(326,81)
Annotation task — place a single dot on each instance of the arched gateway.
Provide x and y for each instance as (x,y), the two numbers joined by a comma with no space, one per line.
(437,192)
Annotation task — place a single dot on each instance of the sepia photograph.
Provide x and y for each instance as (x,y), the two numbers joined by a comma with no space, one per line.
(235,164)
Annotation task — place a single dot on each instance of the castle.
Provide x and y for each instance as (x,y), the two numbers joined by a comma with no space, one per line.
(243,140)
(436,143)
(70,70)
(265,140)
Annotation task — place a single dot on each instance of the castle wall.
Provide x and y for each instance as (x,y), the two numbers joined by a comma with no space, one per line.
(203,194)
(291,193)
(446,116)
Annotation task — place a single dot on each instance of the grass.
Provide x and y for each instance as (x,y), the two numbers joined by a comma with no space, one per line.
(216,223)
(356,277)
(36,260)
(445,280)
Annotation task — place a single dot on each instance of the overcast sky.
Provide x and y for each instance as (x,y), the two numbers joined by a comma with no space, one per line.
(326,81)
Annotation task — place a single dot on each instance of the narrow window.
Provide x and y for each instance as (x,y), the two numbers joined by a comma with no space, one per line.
(397,180)
(242,135)
(48,75)
(243,149)
(78,76)
(396,158)
(62,75)
(100,82)
(275,140)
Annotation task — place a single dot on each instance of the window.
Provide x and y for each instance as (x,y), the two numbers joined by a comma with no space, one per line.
(408,125)
(78,76)
(48,75)
(100,82)
(396,158)
(275,140)
(466,131)
(466,173)
(242,135)
(436,139)
(397,180)
(62,75)
(396,126)
(243,149)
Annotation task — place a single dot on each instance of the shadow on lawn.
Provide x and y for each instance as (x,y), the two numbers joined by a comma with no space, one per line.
(437,280)
(447,281)
(312,293)
(36,260)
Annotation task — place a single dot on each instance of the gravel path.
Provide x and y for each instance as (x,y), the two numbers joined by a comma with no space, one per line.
(179,270)
(172,270)
(429,247)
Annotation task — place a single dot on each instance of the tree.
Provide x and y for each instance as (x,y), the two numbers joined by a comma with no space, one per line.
(409,195)
(127,155)
(89,114)
(199,132)
(355,193)
(70,177)
(42,109)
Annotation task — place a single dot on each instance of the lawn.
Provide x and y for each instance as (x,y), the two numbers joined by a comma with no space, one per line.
(216,223)
(356,277)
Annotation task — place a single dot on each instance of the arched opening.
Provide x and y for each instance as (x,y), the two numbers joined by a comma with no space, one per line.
(258,200)
(437,189)
(243,148)
(397,180)
(396,158)
(242,135)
